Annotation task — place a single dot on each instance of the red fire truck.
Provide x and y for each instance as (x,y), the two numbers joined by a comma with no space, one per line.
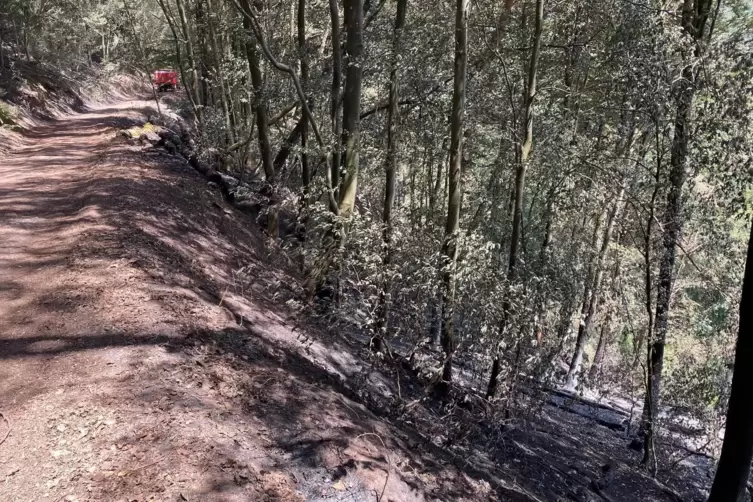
(165,80)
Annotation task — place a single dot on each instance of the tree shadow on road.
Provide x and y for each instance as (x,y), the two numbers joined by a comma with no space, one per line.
(228,393)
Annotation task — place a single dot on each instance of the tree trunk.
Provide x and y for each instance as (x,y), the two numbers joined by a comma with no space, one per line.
(573,373)
(352,104)
(648,283)
(737,449)
(284,152)
(201,43)
(452,226)
(551,214)
(337,65)
(305,168)
(224,101)
(694,15)
(186,83)
(672,225)
(142,54)
(607,330)
(523,154)
(262,120)
(390,175)
(435,323)
(601,351)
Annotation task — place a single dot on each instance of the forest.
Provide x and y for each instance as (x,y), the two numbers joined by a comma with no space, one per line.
(508,200)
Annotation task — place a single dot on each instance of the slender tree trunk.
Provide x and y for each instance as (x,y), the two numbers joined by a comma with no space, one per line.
(201,43)
(262,120)
(352,104)
(284,152)
(732,472)
(140,48)
(305,168)
(593,298)
(218,59)
(551,214)
(601,350)
(648,283)
(526,146)
(337,65)
(452,226)
(344,204)
(186,83)
(26,42)
(441,177)
(694,16)
(195,83)
(672,226)
(523,155)
(607,330)
(390,175)
(430,193)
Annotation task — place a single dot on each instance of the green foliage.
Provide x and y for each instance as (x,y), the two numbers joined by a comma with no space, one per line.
(8,115)
(604,121)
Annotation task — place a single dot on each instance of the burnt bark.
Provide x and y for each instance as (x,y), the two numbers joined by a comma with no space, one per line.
(732,472)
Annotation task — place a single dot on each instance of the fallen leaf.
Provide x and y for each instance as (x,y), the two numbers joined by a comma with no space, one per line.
(339,485)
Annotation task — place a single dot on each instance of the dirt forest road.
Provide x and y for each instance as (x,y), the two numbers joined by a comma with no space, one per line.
(131,366)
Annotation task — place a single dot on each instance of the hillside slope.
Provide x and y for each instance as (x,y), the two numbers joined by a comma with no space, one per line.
(149,353)
(134,369)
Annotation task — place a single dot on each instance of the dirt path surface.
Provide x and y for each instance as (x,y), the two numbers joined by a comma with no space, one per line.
(136,365)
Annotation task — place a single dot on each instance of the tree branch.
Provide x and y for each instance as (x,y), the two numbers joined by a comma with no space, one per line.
(293,76)
(282,113)
(411,102)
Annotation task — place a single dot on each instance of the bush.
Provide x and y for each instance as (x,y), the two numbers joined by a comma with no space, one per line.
(8,115)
